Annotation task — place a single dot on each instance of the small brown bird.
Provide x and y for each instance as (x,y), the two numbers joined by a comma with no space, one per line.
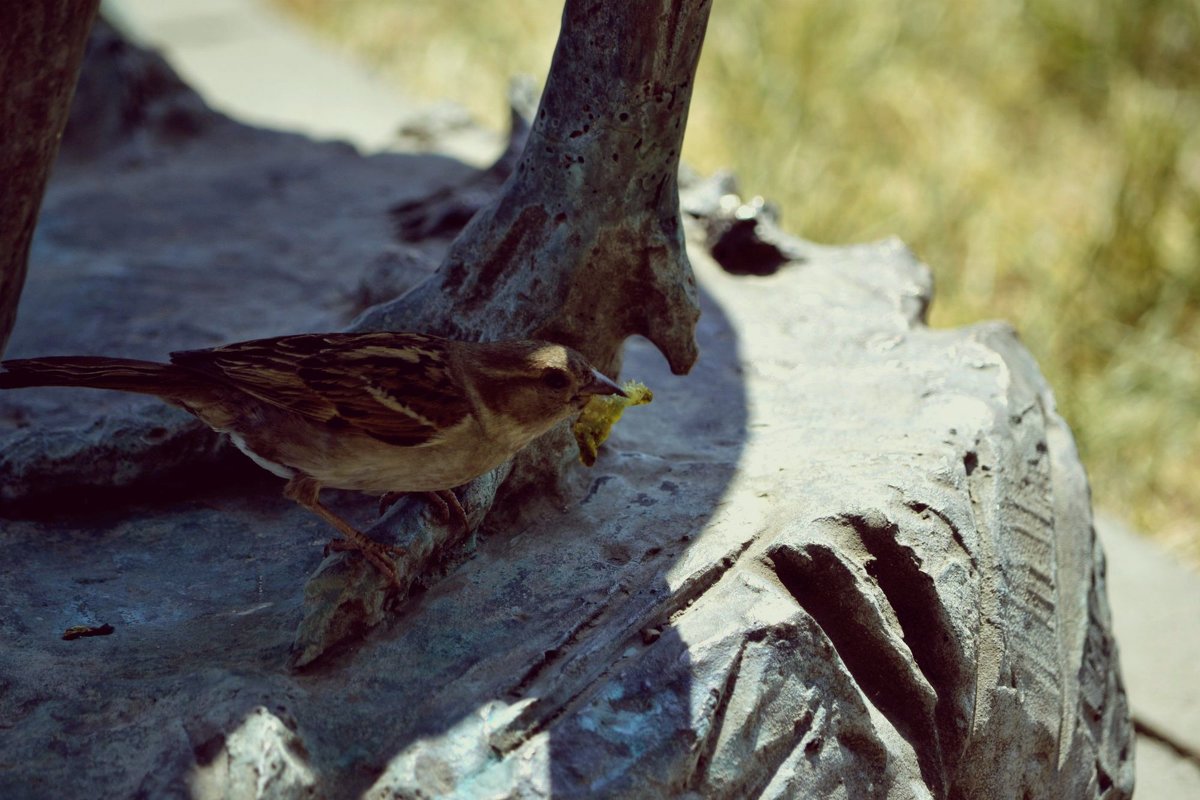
(380,413)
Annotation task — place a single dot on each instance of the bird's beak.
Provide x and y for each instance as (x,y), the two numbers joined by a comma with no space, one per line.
(601,384)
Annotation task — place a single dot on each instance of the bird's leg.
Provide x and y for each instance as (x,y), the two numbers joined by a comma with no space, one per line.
(305,491)
(447,502)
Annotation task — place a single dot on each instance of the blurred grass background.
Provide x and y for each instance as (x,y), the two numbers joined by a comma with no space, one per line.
(1042,156)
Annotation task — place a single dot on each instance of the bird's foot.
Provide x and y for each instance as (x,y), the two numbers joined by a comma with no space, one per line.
(448,508)
(306,491)
(381,556)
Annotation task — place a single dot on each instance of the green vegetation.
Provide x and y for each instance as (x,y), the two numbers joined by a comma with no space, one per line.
(1043,156)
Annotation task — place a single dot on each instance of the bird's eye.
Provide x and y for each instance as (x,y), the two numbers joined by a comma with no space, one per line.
(556,378)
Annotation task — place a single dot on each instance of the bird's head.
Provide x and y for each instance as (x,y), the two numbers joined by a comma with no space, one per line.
(537,384)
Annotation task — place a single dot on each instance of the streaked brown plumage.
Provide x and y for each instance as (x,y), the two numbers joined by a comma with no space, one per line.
(373,412)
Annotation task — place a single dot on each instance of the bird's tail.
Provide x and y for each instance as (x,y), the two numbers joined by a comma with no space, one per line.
(99,372)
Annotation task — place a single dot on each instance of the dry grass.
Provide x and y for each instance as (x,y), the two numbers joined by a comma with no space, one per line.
(1043,156)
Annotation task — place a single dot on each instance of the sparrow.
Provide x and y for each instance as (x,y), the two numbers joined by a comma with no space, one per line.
(380,413)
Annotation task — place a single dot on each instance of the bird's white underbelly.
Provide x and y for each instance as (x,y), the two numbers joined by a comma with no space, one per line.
(269,466)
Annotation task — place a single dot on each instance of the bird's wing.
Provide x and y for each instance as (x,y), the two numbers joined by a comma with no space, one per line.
(397,387)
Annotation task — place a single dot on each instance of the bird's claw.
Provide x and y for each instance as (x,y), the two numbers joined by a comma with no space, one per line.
(446,506)
(381,556)
(449,508)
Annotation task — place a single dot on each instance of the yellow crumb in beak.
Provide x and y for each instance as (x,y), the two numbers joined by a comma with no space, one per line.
(601,413)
